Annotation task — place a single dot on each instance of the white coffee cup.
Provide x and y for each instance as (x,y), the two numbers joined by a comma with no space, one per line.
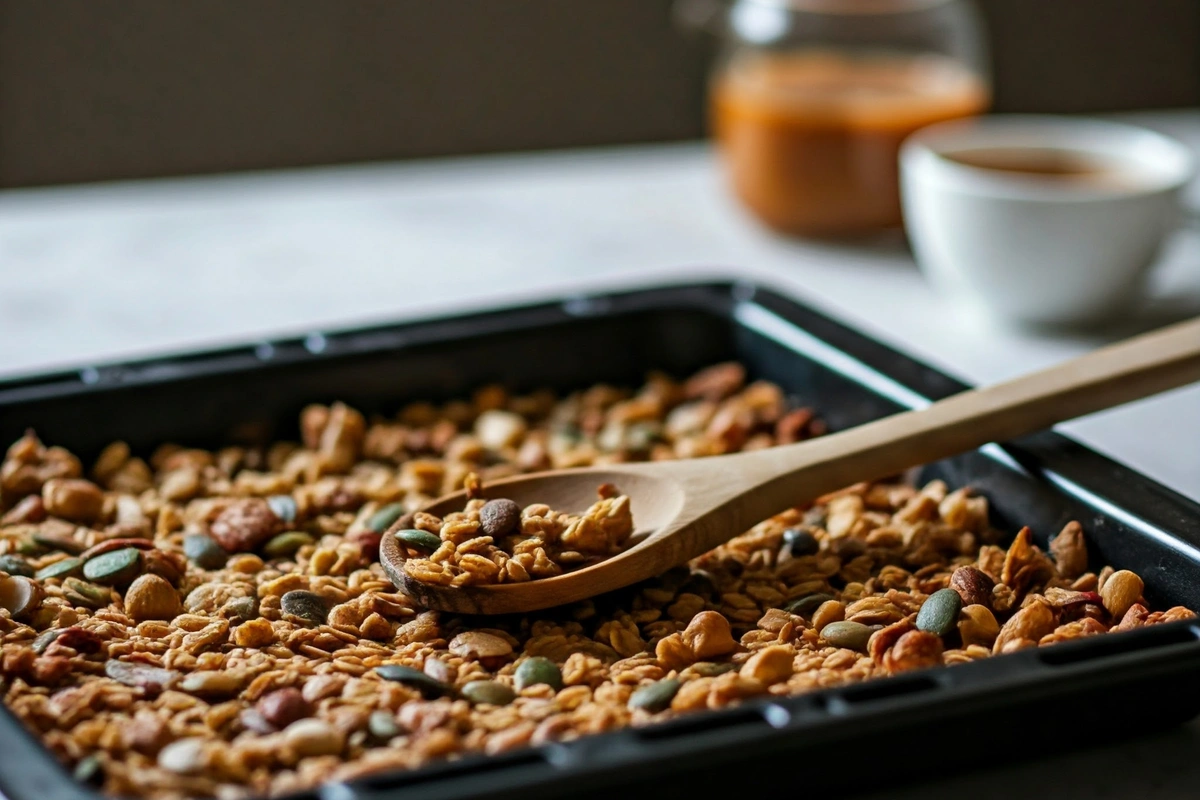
(1041,249)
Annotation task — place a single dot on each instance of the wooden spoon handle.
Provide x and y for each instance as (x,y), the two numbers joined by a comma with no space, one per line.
(785,476)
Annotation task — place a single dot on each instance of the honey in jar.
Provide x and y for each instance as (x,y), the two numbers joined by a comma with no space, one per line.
(811,138)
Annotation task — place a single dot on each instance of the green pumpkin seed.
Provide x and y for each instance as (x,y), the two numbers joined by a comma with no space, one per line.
(45,639)
(241,608)
(385,517)
(115,568)
(490,692)
(382,725)
(851,635)
(939,613)
(89,771)
(308,606)
(28,547)
(414,678)
(420,540)
(284,507)
(709,669)
(700,583)
(88,595)
(286,544)
(60,569)
(16,566)
(655,697)
(64,544)
(805,606)
(535,670)
(800,542)
(203,551)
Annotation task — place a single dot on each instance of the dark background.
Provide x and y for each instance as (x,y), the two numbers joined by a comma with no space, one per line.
(133,88)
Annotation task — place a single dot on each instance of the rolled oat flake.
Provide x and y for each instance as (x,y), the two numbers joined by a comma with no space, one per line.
(116,567)
(655,697)
(306,605)
(939,613)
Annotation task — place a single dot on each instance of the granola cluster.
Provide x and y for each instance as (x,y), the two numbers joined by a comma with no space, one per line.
(497,541)
(217,623)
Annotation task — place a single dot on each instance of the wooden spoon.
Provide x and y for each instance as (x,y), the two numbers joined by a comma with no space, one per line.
(685,508)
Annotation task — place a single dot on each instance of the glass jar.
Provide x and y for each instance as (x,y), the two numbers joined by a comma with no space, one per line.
(810,100)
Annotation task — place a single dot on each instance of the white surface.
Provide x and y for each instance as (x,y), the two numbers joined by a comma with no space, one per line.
(987,236)
(109,271)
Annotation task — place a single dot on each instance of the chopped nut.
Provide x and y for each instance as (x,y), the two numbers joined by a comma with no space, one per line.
(708,636)
(1120,591)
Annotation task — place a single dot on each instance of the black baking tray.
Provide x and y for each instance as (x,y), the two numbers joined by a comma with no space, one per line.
(855,736)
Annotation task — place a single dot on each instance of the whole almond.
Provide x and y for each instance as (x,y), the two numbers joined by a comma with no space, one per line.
(973,585)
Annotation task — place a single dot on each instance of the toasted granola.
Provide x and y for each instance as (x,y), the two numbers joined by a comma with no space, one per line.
(217,623)
(497,541)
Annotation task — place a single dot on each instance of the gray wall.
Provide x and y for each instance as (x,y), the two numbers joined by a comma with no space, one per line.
(98,89)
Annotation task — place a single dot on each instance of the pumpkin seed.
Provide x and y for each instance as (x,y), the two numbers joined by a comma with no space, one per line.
(800,542)
(60,569)
(420,540)
(655,697)
(939,613)
(709,669)
(413,678)
(537,669)
(203,551)
(88,595)
(805,606)
(241,608)
(140,676)
(385,517)
(284,506)
(28,547)
(700,583)
(851,635)
(115,568)
(16,566)
(304,605)
(490,692)
(64,544)
(45,639)
(286,544)
(382,725)
(90,770)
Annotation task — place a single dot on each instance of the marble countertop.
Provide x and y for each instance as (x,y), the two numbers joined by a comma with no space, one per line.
(111,271)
